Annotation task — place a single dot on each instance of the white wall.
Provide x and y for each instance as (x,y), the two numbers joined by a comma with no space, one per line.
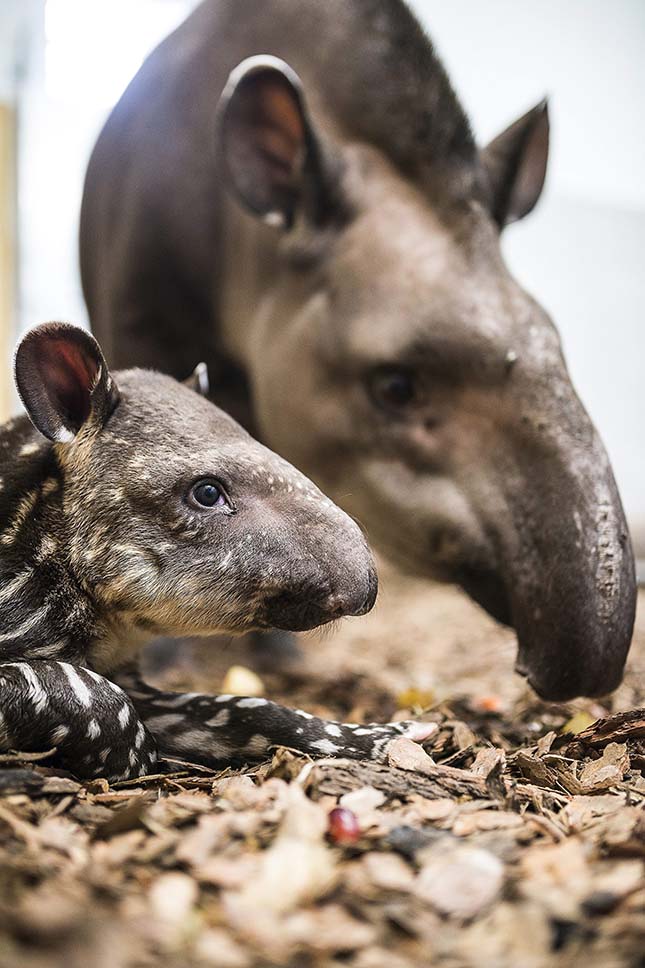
(80,57)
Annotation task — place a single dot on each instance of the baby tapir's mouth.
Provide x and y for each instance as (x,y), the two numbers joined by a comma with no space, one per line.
(297,613)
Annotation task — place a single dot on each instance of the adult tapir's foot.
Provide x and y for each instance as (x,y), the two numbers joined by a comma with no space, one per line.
(218,729)
(90,721)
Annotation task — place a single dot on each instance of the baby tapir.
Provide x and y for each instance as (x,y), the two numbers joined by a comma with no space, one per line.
(132,508)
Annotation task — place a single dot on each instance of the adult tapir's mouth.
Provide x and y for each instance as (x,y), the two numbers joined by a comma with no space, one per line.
(487,589)
(573,631)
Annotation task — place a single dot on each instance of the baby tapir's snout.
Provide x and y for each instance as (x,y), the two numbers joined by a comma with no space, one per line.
(314,561)
(309,600)
(342,581)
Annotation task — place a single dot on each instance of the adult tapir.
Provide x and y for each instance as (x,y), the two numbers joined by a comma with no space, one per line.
(290,191)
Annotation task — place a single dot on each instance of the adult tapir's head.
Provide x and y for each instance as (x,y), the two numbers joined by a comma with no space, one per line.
(399,363)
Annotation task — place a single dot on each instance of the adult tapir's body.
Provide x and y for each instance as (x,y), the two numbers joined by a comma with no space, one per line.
(350,293)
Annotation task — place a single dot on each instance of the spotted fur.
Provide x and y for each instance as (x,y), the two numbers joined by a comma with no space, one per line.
(101,549)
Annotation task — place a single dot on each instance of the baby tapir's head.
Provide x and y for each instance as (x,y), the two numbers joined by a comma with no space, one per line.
(175,520)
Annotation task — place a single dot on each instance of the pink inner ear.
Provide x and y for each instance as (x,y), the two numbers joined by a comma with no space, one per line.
(277,128)
(80,366)
(69,375)
(284,121)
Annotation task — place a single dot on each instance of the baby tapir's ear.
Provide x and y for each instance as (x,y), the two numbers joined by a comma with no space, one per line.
(63,380)
(198,380)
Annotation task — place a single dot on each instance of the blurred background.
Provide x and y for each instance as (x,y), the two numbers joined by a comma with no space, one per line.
(64,63)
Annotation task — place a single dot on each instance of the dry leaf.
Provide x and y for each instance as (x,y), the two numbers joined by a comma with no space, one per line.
(487,761)
(172,896)
(486,820)
(407,755)
(240,791)
(216,947)
(327,929)
(557,877)
(607,771)
(579,721)
(388,871)
(210,833)
(363,801)
(229,873)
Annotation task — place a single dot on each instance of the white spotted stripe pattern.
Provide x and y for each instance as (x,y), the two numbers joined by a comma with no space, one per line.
(79,688)
(220,719)
(35,691)
(59,733)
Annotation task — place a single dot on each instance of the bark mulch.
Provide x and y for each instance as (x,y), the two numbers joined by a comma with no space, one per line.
(514,839)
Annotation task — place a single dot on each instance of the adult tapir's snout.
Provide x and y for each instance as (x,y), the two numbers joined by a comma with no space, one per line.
(565,577)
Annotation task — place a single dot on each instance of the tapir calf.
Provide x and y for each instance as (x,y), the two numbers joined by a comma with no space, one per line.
(291,191)
(133,508)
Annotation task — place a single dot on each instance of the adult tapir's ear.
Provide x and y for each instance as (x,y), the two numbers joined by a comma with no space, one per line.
(267,148)
(516,163)
(63,380)
(198,380)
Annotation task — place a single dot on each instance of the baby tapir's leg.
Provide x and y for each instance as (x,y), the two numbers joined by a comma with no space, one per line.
(217,729)
(90,720)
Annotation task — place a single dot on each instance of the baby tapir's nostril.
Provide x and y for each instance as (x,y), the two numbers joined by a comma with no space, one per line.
(297,611)
(355,601)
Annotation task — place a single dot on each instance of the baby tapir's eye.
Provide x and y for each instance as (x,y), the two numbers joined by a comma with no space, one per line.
(209,493)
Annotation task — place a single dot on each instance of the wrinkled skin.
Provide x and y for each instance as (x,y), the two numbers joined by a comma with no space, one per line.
(349,291)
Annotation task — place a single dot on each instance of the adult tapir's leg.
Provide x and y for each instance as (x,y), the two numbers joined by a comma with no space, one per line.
(90,720)
(217,729)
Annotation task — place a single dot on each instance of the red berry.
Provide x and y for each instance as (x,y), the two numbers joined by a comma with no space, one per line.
(342,826)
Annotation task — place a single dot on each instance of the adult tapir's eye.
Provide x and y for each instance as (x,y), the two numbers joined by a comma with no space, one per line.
(209,493)
(392,387)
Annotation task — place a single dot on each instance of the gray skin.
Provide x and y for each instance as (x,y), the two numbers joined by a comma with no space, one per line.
(105,542)
(324,232)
